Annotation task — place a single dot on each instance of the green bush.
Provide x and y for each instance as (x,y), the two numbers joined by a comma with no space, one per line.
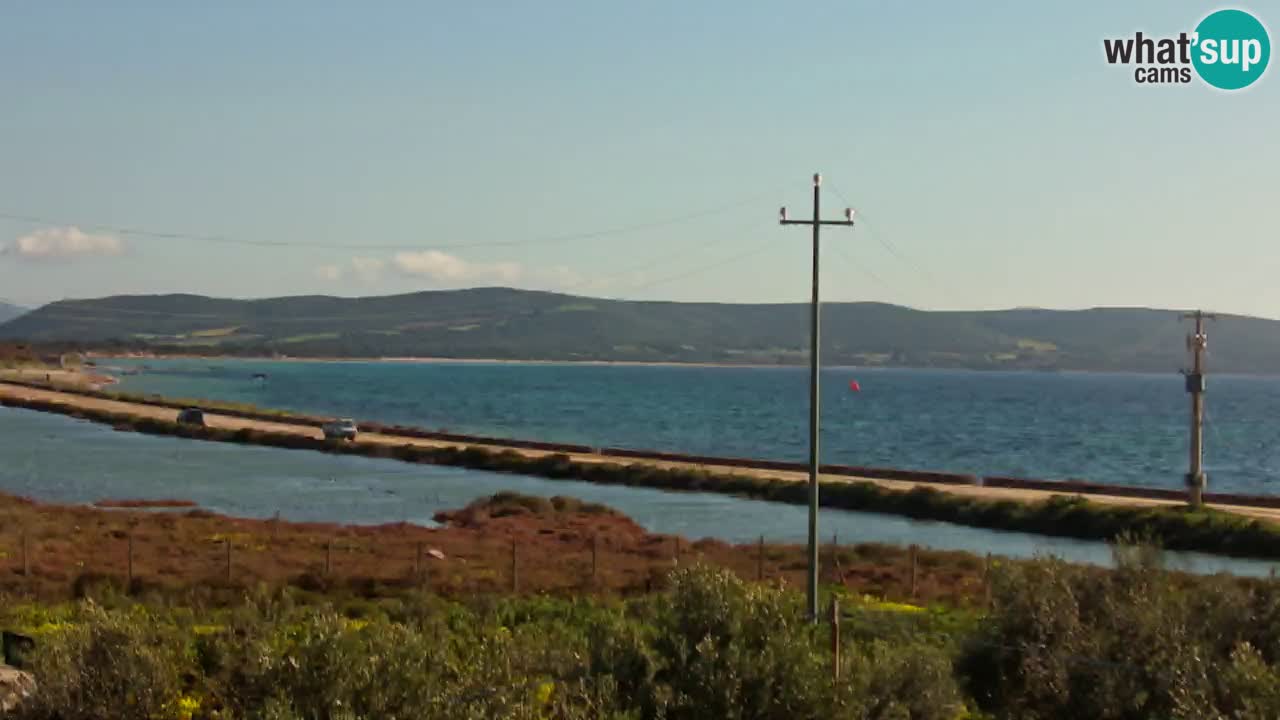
(1070,642)
(710,647)
(109,664)
(1060,641)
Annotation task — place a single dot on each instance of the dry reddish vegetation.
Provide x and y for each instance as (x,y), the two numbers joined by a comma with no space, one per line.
(72,548)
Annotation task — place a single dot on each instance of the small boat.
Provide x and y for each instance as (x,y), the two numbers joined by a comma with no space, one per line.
(259,376)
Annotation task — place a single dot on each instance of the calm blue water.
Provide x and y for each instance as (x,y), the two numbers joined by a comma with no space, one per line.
(1113,428)
(58,459)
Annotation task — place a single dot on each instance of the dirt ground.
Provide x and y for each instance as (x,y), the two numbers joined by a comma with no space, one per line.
(56,552)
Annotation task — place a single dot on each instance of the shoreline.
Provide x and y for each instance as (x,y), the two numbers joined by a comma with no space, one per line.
(1063,511)
(435,360)
(446,361)
(642,363)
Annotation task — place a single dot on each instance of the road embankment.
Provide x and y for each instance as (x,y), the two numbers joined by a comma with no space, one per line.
(1049,509)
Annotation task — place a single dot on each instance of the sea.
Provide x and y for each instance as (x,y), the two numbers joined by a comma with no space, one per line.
(55,458)
(1128,429)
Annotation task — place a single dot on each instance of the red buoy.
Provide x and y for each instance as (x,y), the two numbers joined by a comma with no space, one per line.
(854,386)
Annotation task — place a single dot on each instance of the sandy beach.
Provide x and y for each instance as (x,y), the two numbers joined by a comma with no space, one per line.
(60,376)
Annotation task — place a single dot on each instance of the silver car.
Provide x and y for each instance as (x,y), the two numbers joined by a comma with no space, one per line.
(343,429)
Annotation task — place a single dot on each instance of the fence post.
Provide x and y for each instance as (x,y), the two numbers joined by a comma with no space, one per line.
(914,552)
(835,639)
(228,560)
(986,581)
(760,560)
(328,556)
(26,554)
(130,559)
(515,573)
(677,555)
(835,558)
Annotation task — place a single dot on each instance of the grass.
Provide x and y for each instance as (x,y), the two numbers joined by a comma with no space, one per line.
(1176,527)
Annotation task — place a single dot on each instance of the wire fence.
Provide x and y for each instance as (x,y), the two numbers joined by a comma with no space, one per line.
(194,550)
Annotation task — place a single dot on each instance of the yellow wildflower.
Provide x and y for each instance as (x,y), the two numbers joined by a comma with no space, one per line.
(185,707)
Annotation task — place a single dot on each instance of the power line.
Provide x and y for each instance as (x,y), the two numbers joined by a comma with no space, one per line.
(757,249)
(224,239)
(69,309)
(656,261)
(929,278)
(861,268)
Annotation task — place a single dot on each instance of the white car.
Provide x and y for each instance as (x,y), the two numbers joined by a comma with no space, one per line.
(344,429)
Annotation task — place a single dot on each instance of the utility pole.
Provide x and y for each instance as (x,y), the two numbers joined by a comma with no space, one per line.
(1196,343)
(814,336)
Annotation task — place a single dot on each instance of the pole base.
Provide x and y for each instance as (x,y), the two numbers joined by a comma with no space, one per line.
(1196,483)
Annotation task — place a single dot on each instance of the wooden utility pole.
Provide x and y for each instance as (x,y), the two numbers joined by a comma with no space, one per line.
(1196,344)
(814,365)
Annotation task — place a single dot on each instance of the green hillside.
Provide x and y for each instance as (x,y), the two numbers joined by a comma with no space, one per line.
(516,324)
(9,312)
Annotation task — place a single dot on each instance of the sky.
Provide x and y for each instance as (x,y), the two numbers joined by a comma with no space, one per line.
(632,150)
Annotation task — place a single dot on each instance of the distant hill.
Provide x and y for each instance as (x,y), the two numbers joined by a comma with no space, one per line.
(516,324)
(9,312)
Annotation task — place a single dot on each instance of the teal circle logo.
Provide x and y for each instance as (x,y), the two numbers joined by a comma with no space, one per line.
(1232,49)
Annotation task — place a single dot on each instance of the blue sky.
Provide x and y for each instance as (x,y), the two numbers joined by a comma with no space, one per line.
(997,159)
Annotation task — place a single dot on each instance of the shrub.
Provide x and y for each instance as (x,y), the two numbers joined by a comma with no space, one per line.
(117,665)
(910,681)
(1068,642)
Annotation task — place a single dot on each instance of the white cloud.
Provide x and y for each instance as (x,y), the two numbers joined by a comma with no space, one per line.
(366,268)
(63,242)
(557,278)
(565,279)
(443,269)
(446,268)
(329,272)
